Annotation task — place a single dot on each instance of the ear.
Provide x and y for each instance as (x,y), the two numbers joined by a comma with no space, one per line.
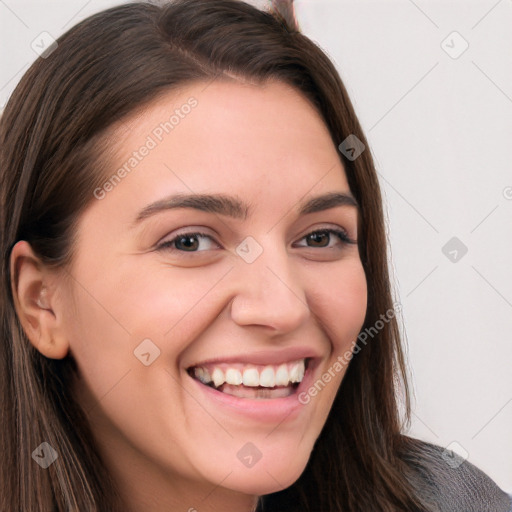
(35,299)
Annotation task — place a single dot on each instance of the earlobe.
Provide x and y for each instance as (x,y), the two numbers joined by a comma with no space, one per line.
(34,295)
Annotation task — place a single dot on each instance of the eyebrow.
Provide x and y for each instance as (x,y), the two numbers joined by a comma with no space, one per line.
(232,207)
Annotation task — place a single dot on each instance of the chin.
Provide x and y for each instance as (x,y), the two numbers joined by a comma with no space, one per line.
(265,480)
(274,472)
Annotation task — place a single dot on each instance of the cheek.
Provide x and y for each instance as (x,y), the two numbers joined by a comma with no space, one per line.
(143,299)
(111,319)
(172,306)
(340,308)
(339,300)
(114,317)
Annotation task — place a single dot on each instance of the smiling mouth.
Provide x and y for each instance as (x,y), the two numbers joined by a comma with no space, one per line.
(252,381)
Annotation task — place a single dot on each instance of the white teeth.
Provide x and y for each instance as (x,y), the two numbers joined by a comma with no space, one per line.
(202,375)
(268,376)
(297,372)
(218,377)
(282,377)
(251,377)
(234,377)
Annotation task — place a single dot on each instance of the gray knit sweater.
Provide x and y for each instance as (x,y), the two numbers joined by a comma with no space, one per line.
(450,484)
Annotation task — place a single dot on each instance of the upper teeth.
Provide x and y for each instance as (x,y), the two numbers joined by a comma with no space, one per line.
(253,376)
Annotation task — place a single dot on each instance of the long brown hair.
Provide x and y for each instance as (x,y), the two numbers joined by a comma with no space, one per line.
(52,156)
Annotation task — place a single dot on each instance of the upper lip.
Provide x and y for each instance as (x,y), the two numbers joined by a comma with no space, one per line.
(264,357)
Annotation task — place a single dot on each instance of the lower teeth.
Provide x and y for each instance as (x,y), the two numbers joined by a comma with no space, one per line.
(258,393)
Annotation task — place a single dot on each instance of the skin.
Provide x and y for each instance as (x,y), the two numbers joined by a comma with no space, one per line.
(169,446)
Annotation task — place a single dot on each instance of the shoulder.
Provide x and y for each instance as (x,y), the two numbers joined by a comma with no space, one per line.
(451,483)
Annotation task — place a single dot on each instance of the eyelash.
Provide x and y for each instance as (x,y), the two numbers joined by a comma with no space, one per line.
(168,245)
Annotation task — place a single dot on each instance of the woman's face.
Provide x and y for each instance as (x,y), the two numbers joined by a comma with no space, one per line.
(262,293)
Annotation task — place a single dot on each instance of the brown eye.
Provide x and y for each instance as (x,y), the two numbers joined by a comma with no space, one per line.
(322,237)
(185,242)
(319,238)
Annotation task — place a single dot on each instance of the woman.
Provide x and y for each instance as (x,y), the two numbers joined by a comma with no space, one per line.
(193,243)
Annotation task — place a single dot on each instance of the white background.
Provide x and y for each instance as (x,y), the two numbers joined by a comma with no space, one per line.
(440,130)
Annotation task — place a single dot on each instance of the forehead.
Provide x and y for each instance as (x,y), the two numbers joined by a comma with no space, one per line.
(263,141)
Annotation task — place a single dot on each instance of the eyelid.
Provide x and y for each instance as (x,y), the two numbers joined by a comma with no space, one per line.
(333,229)
(170,239)
(342,234)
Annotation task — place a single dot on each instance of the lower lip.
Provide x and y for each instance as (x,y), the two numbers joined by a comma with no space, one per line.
(264,409)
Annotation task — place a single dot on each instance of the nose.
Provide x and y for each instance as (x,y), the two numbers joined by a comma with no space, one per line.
(269,292)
